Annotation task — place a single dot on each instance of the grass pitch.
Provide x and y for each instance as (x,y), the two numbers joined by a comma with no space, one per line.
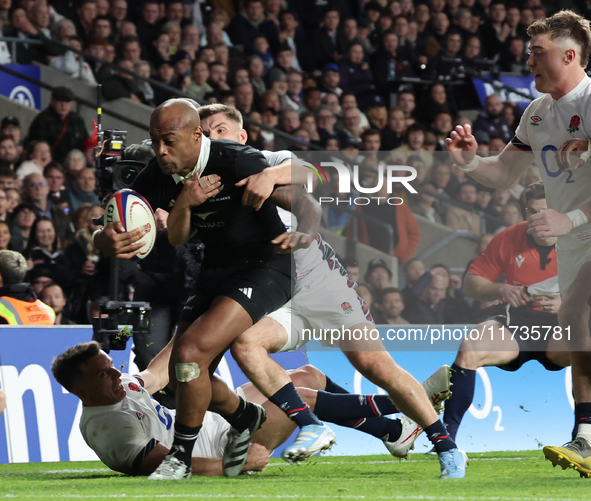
(514,476)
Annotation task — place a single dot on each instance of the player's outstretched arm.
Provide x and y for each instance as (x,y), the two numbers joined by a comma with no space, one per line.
(259,187)
(114,241)
(308,212)
(155,376)
(495,172)
(482,289)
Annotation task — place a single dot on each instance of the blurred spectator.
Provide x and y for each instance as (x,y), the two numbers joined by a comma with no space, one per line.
(118,11)
(173,30)
(86,11)
(378,276)
(308,123)
(352,268)
(424,302)
(40,18)
(5,236)
(190,37)
(284,58)
(495,146)
(289,121)
(102,28)
(492,120)
(270,100)
(514,59)
(364,292)
(37,157)
(388,65)
(7,177)
(300,134)
(256,70)
(376,113)
(83,189)
(312,100)
(218,77)
(370,140)
(441,127)
(394,131)
(198,86)
(498,200)
(53,295)
(436,41)
(434,103)
(36,192)
(58,193)
(389,307)
(249,24)
(39,279)
(255,139)
(326,121)
(424,206)
(165,75)
(263,52)
(462,219)
(352,124)
(511,213)
(406,232)
(292,34)
(14,199)
(146,92)
(511,114)
(8,151)
(331,79)
(294,89)
(160,49)
(412,270)
(414,142)
(495,31)
(406,102)
(43,249)
(11,126)
(440,175)
(23,216)
(62,128)
(244,98)
(131,49)
(75,162)
(21,27)
(356,76)
(70,63)
(121,84)
(148,27)
(455,299)
(328,41)
(3,206)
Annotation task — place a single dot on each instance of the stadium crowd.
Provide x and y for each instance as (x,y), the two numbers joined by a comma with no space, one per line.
(329,73)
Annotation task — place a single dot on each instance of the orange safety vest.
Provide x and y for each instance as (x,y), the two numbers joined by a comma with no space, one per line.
(17,312)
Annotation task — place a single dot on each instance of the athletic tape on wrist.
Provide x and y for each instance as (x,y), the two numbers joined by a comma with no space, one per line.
(470,166)
(586,154)
(577,217)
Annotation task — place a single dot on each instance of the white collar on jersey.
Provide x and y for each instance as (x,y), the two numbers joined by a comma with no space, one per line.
(201,161)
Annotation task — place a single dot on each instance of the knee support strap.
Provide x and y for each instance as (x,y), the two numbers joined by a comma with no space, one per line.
(186,372)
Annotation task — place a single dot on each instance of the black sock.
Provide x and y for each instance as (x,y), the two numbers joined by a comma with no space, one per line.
(582,415)
(184,439)
(332,387)
(438,436)
(290,402)
(463,383)
(330,406)
(242,417)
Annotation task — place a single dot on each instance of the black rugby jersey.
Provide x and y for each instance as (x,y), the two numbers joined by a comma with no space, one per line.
(230,231)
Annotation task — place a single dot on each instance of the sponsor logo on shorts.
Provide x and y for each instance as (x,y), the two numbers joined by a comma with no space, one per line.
(247,291)
(346,307)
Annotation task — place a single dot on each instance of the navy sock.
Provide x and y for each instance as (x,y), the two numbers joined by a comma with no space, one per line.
(438,436)
(582,415)
(341,406)
(463,383)
(242,417)
(184,439)
(290,402)
(332,387)
(379,427)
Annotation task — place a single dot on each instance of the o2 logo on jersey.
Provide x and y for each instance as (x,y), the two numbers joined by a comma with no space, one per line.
(164,416)
(556,173)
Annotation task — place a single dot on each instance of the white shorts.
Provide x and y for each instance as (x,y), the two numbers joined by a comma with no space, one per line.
(320,305)
(570,260)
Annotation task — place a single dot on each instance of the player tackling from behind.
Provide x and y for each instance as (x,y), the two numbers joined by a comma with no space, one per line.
(560,48)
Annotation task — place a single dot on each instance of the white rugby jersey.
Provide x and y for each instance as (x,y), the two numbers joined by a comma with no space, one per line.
(544,127)
(118,433)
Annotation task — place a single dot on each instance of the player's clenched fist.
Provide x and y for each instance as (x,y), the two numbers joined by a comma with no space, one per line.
(462,145)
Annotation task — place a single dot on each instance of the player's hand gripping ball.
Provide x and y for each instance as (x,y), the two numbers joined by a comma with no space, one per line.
(133,211)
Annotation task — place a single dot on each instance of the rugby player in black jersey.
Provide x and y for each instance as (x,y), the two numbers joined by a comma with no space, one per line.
(244,273)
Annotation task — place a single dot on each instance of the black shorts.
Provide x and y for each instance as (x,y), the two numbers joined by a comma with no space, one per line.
(528,348)
(259,287)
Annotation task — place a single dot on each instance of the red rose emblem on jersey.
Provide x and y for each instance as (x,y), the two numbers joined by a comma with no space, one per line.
(133,387)
(347,308)
(575,121)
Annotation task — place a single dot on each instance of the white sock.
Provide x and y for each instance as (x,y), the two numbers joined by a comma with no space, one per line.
(585,431)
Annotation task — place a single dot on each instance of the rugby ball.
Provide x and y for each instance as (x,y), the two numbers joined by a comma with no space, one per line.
(133,211)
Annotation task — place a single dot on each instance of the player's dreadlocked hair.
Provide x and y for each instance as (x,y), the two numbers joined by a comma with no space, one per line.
(67,367)
(566,25)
